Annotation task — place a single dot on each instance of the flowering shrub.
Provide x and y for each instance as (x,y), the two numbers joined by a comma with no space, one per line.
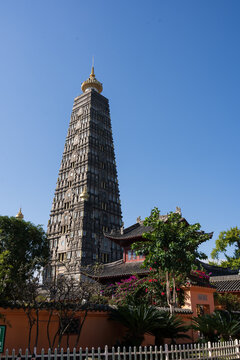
(200,274)
(134,290)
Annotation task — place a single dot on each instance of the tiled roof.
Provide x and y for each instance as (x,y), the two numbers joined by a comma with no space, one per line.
(117,269)
(177,310)
(125,237)
(218,270)
(120,269)
(49,305)
(133,231)
(89,306)
(230,283)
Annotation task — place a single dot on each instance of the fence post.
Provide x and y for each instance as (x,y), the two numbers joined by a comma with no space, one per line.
(166,352)
(209,349)
(237,349)
(49,354)
(42,354)
(106,352)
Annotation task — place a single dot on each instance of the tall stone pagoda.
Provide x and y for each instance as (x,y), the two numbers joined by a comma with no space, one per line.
(86,203)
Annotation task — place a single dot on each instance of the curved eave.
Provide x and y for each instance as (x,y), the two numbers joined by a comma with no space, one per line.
(126,241)
(117,275)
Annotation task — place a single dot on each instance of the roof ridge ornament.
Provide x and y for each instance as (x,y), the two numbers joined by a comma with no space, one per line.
(122,228)
(138,220)
(178,210)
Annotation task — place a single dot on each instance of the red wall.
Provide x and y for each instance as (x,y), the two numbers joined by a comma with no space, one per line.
(97,331)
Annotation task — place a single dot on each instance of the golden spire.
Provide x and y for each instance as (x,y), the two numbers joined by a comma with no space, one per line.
(20,214)
(92,82)
(92,75)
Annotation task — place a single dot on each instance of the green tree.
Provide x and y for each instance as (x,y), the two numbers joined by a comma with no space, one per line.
(205,324)
(220,324)
(225,239)
(228,301)
(144,318)
(138,320)
(171,247)
(171,327)
(23,250)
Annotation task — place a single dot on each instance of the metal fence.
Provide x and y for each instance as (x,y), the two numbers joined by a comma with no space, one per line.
(214,351)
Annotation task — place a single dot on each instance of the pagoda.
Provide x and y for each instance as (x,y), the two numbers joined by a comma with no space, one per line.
(86,202)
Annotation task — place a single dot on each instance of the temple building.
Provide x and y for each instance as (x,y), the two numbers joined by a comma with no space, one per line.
(198,291)
(130,263)
(86,201)
(221,280)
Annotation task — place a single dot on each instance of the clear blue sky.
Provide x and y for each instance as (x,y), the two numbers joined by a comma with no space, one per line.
(171,70)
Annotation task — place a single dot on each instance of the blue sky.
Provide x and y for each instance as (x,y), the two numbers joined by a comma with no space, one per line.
(171,72)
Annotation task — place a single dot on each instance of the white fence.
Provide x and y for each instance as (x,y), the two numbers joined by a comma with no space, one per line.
(214,351)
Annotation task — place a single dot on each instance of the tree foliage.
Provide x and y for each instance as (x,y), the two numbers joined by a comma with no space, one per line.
(227,301)
(144,318)
(23,250)
(171,327)
(138,320)
(221,325)
(225,239)
(171,247)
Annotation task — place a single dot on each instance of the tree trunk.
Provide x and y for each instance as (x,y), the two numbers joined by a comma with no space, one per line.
(174,292)
(37,329)
(31,323)
(48,324)
(168,293)
(80,328)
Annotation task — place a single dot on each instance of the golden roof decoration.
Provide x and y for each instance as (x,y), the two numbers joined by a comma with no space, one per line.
(92,82)
(20,214)
(84,195)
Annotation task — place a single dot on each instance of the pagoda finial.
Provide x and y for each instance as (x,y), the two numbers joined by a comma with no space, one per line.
(20,214)
(92,82)
(92,75)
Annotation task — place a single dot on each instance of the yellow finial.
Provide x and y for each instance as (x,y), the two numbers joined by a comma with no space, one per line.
(20,214)
(92,82)
(92,75)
